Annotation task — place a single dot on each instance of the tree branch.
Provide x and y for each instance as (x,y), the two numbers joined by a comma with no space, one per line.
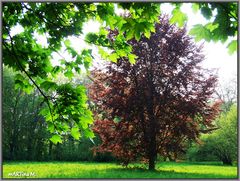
(208,130)
(13,53)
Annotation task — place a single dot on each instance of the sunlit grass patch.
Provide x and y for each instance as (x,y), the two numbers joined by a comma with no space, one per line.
(112,170)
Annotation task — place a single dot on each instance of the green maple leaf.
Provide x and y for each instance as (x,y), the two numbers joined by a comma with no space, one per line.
(178,17)
(200,32)
(232,47)
(75,133)
(56,139)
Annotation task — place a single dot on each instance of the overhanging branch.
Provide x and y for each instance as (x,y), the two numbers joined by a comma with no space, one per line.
(13,53)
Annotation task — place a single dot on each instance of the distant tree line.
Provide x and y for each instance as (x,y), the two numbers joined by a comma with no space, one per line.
(25,134)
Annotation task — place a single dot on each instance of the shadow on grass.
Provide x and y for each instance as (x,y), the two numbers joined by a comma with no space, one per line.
(139,173)
(200,163)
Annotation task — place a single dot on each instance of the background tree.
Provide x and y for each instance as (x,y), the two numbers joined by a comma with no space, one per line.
(221,144)
(207,150)
(227,92)
(25,135)
(23,127)
(156,104)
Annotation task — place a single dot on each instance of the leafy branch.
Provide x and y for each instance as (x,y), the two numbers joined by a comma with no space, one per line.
(14,54)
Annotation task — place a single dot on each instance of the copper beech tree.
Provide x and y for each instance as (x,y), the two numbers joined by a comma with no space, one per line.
(153,106)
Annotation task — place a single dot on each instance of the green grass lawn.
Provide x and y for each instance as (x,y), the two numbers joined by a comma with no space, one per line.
(111,170)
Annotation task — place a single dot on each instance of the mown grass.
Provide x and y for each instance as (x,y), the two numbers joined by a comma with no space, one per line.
(111,170)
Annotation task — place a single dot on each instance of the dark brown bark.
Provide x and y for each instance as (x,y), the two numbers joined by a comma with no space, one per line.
(153,125)
(152,146)
(12,150)
(226,160)
(50,149)
(29,148)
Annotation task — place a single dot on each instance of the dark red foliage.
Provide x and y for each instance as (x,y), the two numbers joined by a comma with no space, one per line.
(161,101)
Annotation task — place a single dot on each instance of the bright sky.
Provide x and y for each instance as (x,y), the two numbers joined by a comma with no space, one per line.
(216,53)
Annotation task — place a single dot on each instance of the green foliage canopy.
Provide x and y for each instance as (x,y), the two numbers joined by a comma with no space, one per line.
(221,26)
(222,22)
(67,109)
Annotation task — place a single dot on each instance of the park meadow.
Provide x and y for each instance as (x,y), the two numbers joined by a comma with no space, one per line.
(125,90)
(94,170)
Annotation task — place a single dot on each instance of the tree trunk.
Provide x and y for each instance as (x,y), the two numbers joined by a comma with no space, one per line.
(39,151)
(152,149)
(227,160)
(11,150)
(29,153)
(164,158)
(151,165)
(13,137)
(50,150)
(152,143)
(152,154)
